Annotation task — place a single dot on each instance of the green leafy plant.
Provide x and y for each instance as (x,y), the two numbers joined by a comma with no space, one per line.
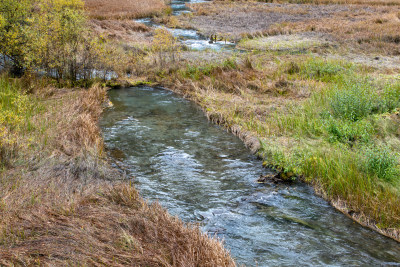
(382,162)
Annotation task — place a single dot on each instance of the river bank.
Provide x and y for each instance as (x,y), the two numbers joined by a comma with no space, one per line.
(267,110)
(62,203)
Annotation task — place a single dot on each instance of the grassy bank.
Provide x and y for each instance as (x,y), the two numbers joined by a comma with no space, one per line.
(330,123)
(62,204)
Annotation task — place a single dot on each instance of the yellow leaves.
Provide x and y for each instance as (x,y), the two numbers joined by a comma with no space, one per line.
(58,5)
(15,108)
(2,21)
(38,32)
(163,40)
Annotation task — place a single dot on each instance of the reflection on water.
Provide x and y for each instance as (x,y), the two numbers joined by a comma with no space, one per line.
(203,174)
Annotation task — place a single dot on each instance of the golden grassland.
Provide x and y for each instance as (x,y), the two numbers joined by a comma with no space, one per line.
(60,202)
(360,28)
(123,9)
(319,2)
(126,32)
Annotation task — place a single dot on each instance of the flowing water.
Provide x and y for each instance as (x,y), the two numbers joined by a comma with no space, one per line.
(203,174)
(190,38)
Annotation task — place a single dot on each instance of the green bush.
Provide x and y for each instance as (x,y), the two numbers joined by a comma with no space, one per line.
(353,100)
(382,162)
(391,96)
(349,132)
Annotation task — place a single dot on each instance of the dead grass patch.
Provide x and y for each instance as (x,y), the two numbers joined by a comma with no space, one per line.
(125,32)
(373,32)
(362,28)
(238,19)
(337,2)
(114,227)
(62,204)
(123,9)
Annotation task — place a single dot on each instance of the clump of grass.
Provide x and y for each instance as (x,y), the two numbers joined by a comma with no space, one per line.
(318,69)
(381,162)
(196,72)
(349,132)
(353,100)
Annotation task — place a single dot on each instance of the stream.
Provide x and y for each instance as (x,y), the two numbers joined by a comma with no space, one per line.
(190,38)
(205,175)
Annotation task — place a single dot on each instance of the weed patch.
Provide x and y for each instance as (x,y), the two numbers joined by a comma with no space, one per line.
(16,112)
(381,162)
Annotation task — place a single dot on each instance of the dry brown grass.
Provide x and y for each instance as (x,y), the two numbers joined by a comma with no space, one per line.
(339,2)
(114,227)
(373,29)
(64,205)
(123,9)
(376,31)
(126,31)
(237,19)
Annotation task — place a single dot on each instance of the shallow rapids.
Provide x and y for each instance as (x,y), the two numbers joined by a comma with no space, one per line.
(205,175)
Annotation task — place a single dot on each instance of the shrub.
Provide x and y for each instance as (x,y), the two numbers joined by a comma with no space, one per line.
(49,36)
(391,97)
(16,108)
(349,132)
(352,100)
(382,162)
(166,45)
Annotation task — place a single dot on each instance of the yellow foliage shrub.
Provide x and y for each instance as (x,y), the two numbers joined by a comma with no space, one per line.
(15,111)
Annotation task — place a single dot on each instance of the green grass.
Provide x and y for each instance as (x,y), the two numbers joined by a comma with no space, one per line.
(196,72)
(17,110)
(341,138)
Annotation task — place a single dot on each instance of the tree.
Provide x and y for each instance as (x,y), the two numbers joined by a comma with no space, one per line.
(165,44)
(14,24)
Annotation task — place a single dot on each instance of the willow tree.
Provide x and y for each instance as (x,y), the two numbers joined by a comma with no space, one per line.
(15,21)
(47,35)
(59,31)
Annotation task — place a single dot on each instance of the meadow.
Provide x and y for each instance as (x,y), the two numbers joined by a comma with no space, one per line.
(123,9)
